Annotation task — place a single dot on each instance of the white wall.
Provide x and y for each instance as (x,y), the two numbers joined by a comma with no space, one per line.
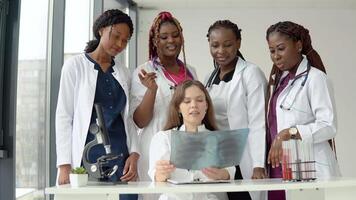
(333,34)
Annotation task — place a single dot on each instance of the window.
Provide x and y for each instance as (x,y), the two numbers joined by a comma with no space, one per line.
(31,161)
(121,58)
(36,69)
(77,27)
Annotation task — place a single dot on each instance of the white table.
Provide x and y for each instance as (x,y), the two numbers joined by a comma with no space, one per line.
(328,189)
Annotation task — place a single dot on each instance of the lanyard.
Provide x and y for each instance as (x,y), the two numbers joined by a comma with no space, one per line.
(158,68)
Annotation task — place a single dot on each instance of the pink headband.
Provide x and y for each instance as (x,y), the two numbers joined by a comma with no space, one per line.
(165,15)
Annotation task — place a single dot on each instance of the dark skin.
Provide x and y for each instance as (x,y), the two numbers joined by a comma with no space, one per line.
(223,48)
(113,41)
(286,55)
(275,153)
(168,46)
(110,45)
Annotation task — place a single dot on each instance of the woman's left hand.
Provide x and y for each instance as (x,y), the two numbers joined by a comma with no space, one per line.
(130,169)
(275,153)
(216,173)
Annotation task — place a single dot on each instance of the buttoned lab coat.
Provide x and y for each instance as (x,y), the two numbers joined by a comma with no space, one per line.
(160,111)
(160,149)
(75,105)
(313,113)
(240,103)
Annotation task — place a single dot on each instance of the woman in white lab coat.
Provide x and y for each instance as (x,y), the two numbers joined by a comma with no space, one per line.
(154,82)
(301,101)
(237,88)
(94,77)
(190,110)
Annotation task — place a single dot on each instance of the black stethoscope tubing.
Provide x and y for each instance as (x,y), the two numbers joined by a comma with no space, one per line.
(306,75)
(212,76)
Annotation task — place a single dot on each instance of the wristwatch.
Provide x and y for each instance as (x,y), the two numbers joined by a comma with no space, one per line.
(293,132)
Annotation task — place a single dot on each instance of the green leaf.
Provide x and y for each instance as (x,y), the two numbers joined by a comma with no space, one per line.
(79,170)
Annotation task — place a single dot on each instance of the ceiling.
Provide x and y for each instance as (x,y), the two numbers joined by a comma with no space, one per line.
(156,4)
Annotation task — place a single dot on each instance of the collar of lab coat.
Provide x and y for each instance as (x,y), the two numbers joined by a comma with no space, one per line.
(240,65)
(157,62)
(113,66)
(200,128)
(96,65)
(301,68)
(117,73)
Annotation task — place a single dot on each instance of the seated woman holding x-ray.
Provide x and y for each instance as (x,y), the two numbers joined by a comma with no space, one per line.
(190,110)
(301,103)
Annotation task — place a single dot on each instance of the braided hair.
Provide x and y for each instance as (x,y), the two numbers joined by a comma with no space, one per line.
(296,33)
(227,24)
(108,18)
(163,17)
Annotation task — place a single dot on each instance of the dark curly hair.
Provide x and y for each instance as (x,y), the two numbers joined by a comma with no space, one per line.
(108,18)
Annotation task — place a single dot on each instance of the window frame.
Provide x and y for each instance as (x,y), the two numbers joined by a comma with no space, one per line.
(55,56)
(8,68)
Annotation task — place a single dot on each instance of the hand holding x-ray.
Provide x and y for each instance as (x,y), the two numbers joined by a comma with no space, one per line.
(207,149)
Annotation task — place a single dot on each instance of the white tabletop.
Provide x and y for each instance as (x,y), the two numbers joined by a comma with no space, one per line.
(237,185)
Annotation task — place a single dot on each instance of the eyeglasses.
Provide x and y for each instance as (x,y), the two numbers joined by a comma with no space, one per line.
(304,74)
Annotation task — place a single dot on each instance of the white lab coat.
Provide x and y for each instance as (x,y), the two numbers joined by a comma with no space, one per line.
(160,149)
(75,105)
(313,113)
(240,103)
(160,112)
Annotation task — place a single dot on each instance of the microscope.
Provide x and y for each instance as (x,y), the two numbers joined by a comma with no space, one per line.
(99,169)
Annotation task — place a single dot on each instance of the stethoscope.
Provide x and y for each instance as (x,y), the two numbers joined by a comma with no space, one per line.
(157,66)
(304,74)
(212,76)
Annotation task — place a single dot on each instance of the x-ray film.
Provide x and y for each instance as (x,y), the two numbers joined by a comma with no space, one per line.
(208,149)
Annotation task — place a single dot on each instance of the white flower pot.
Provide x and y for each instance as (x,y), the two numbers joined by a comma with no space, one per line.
(77,180)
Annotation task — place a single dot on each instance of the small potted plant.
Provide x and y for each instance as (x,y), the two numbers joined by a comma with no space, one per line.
(78,177)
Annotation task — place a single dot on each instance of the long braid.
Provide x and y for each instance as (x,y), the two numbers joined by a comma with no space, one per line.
(182,37)
(297,33)
(227,24)
(163,17)
(154,31)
